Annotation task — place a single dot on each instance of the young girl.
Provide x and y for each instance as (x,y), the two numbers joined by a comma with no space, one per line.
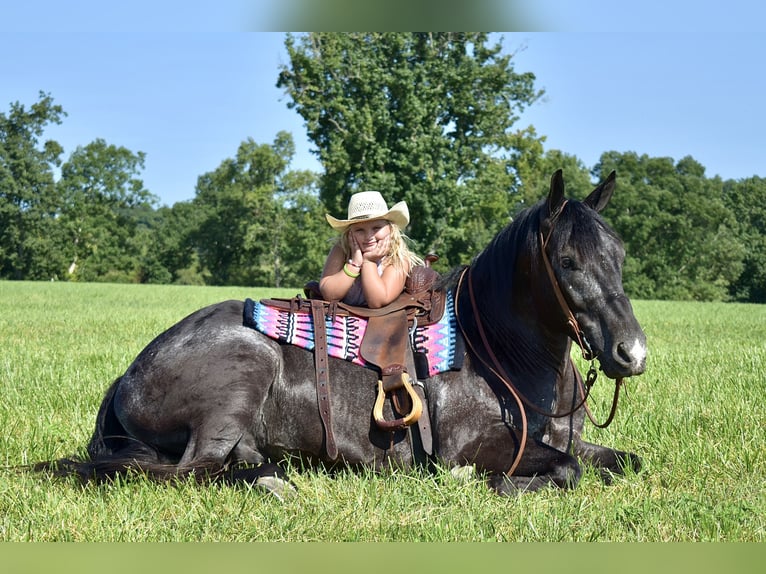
(370,262)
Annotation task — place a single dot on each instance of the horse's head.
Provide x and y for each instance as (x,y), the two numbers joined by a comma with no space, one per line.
(584,258)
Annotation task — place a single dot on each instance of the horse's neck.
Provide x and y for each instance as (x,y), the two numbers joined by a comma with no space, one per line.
(517,338)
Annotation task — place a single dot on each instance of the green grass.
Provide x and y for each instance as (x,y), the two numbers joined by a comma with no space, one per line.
(697,417)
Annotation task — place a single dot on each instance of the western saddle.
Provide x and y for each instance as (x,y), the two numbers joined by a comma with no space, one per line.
(386,346)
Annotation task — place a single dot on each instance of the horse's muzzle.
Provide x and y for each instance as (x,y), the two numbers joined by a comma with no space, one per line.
(625,359)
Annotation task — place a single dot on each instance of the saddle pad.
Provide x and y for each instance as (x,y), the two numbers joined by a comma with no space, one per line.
(439,343)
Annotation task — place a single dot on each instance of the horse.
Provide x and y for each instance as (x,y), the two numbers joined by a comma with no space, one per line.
(212,397)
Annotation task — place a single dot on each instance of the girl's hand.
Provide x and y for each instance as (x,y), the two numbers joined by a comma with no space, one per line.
(381,250)
(357,257)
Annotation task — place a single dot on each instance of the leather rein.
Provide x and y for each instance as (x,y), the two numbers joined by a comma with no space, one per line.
(576,334)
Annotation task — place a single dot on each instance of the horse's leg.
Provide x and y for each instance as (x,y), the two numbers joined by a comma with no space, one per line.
(540,466)
(609,461)
(556,469)
(565,433)
(266,475)
(217,444)
(473,427)
(195,395)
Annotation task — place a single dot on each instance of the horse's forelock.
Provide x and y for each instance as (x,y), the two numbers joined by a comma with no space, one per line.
(577,225)
(582,228)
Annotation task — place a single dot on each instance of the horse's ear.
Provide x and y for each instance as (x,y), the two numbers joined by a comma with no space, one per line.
(556,194)
(599,197)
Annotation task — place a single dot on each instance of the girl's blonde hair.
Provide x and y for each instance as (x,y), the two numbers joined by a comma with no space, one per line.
(402,258)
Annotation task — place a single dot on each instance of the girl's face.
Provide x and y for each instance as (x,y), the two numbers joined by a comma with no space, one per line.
(368,234)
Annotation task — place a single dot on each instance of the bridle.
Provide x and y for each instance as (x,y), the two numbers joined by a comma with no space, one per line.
(575,332)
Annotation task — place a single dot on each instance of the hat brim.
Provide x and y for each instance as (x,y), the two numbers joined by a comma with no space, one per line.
(398,214)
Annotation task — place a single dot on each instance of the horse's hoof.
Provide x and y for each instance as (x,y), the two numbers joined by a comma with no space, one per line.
(632,461)
(463,473)
(279,487)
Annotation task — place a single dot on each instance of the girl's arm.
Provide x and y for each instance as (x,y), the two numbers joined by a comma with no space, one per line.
(380,290)
(335,282)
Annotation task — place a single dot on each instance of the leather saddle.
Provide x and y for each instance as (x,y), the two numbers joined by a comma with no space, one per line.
(386,345)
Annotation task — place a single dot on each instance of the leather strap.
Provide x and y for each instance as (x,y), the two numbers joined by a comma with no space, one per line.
(576,332)
(323,376)
(386,345)
(424,422)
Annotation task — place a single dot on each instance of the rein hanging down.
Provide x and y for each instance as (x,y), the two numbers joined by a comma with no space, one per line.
(576,333)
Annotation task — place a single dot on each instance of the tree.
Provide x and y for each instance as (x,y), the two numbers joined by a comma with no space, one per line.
(680,237)
(746,198)
(302,235)
(167,248)
(103,203)
(422,117)
(28,195)
(535,169)
(260,224)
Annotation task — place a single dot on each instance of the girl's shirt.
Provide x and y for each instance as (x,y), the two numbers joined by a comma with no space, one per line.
(355,295)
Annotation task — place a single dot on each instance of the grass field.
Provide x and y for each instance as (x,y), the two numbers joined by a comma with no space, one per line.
(697,417)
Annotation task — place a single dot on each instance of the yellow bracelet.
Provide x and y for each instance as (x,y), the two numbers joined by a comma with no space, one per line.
(350,274)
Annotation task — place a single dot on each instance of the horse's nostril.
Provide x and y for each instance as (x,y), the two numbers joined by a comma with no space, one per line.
(632,358)
(623,352)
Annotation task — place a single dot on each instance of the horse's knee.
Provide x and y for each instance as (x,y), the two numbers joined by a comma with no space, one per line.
(565,472)
(246,452)
(608,460)
(505,485)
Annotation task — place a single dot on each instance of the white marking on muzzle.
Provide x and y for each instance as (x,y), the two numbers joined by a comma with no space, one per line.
(638,352)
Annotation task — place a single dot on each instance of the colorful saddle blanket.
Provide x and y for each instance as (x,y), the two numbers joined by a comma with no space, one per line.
(438,347)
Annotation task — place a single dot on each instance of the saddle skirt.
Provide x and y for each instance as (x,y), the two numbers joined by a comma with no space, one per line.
(438,347)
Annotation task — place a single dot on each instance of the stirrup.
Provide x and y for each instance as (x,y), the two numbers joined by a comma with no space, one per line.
(401,423)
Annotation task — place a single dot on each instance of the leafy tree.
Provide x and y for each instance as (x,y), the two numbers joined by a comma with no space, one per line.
(746,199)
(258,221)
(536,168)
(302,237)
(28,195)
(103,202)
(680,237)
(167,249)
(424,117)
(232,199)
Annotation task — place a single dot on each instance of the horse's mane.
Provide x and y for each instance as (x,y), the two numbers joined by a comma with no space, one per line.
(514,254)
(576,225)
(494,267)
(495,263)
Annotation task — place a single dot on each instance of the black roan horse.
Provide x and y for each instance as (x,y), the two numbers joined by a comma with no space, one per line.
(211,397)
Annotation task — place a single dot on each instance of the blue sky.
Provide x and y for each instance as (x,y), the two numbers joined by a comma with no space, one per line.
(186,87)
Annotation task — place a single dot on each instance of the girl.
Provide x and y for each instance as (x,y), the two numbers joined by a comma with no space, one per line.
(370,262)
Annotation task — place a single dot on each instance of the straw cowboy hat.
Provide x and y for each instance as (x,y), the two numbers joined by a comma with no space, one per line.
(369,205)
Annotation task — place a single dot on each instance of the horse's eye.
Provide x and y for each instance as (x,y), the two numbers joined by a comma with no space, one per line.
(567,262)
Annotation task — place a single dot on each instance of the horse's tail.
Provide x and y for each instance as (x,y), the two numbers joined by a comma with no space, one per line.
(108,427)
(111,452)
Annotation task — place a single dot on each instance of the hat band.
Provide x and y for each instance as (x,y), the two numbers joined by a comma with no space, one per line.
(371,216)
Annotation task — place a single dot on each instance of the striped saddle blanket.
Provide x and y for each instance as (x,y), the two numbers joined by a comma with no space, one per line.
(438,347)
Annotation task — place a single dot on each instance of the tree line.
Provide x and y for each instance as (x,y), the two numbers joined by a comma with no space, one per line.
(428,118)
